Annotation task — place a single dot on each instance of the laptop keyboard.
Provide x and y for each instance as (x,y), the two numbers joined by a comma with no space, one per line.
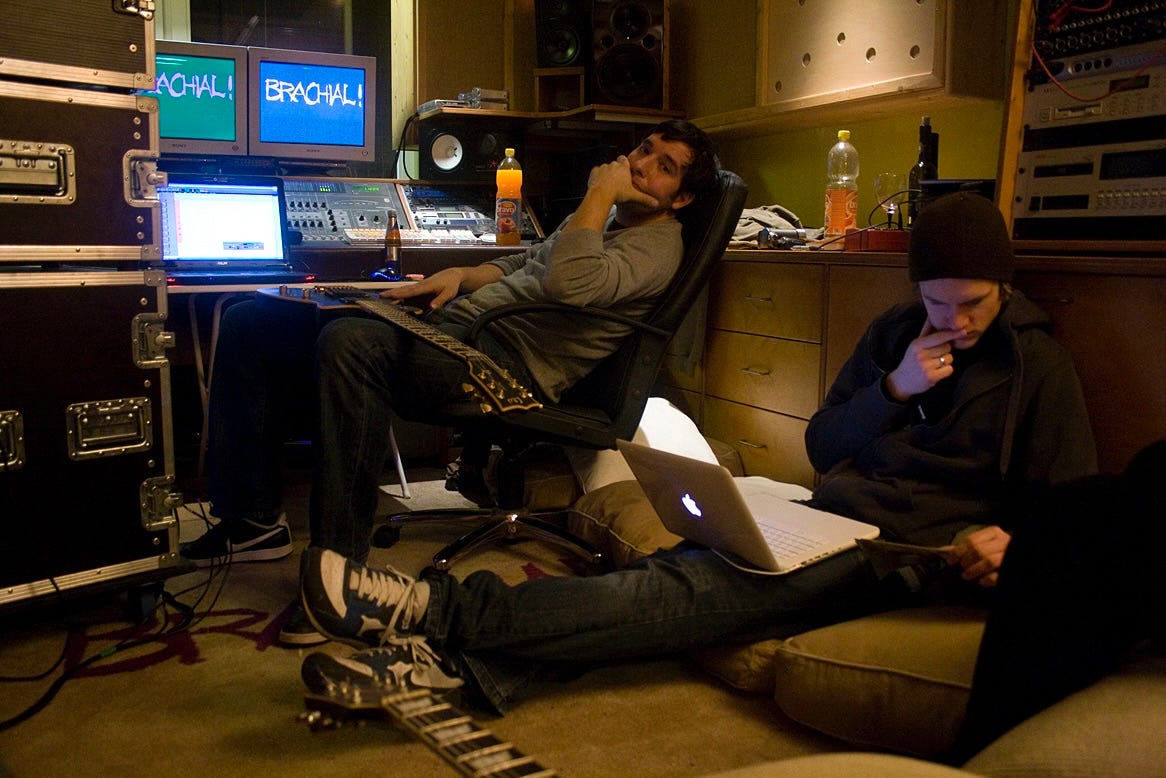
(786,543)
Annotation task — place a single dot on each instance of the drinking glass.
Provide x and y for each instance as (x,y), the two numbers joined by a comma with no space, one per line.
(890,190)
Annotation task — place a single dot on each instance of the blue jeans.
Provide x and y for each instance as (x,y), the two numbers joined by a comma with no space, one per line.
(271,369)
(504,639)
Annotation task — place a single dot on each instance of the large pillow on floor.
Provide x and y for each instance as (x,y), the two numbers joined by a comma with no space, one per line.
(618,519)
(1113,727)
(898,680)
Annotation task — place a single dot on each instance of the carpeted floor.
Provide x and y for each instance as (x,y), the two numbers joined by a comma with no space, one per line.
(219,697)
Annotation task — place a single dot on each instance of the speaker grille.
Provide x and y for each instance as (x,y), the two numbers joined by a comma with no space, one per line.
(630,62)
(562,32)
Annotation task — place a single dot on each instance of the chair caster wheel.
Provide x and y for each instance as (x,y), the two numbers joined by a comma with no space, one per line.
(385,536)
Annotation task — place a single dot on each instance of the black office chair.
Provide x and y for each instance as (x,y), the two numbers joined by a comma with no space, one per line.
(606,405)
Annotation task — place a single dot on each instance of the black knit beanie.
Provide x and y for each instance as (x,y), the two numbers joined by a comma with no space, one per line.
(960,235)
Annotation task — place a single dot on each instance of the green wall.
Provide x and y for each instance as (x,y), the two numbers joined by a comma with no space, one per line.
(789,168)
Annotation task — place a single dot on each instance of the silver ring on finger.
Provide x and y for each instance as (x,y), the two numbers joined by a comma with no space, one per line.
(942,361)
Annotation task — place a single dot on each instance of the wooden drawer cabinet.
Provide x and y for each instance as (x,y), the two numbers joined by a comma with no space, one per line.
(770,373)
(770,444)
(768,298)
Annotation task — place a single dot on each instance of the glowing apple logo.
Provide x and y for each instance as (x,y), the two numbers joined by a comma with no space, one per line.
(690,505)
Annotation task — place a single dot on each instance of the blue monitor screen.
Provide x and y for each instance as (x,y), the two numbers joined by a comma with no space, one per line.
(312,105)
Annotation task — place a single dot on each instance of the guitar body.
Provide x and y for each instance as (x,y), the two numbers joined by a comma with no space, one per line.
(495,389)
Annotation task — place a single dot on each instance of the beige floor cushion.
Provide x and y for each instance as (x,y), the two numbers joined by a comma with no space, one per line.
(897,680)
(1115,727)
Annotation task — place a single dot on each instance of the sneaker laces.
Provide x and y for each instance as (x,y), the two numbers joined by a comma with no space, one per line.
(384,587)
(423,665)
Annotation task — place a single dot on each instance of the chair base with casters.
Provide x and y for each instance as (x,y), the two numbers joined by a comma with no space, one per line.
(499,522)
(603,407)
(504,525)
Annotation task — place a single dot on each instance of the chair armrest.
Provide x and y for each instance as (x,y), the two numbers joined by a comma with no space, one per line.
(519,309)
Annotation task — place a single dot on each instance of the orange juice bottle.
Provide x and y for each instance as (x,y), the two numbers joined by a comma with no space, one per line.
(508,205)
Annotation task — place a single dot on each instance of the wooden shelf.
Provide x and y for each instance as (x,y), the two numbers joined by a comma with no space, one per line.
(583,114)
(767,119)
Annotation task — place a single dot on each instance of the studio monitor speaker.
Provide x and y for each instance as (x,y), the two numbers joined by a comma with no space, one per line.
(562,32)
(464,149)
(630,53)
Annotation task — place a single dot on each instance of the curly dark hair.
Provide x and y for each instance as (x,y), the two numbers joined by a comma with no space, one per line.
(700,177)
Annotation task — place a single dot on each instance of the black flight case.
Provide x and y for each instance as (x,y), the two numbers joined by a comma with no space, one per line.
(87,498)
(86,449)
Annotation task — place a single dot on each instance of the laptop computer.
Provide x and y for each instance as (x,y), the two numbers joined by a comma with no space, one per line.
(758,532)
(225,229)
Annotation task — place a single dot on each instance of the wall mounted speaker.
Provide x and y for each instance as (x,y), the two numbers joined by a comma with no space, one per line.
(464,149)
(630,57)
(563,33)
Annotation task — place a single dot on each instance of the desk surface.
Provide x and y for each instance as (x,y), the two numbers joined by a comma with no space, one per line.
(245,288)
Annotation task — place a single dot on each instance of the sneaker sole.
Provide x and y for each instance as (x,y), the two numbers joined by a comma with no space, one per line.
(258,555)
(302,638)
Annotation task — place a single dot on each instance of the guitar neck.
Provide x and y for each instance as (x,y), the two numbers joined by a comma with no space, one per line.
(468,747)
(472,749)
(497,391)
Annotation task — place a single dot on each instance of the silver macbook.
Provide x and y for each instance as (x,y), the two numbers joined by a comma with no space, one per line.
(762,532)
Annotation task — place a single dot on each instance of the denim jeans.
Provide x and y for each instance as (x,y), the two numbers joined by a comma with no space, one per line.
(505,639)
(271,369)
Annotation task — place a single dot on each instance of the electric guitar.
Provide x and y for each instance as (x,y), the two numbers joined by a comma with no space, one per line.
(469,748)
(493,387)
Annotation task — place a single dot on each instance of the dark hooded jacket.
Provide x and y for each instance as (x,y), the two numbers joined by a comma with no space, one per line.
(1013,420)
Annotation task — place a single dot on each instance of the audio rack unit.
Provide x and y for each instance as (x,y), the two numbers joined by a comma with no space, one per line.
(1092,163)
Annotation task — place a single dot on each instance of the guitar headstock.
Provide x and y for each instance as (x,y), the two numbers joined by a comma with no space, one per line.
(345,702)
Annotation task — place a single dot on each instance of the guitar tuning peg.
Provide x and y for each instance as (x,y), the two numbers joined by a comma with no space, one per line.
(317,720)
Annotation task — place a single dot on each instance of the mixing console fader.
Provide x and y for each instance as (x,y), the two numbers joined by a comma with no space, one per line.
(325,210)
(343,212)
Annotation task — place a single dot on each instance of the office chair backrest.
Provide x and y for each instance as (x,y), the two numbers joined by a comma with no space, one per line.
(621,384)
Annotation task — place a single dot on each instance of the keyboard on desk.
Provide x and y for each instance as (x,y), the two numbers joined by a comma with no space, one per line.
(373,236)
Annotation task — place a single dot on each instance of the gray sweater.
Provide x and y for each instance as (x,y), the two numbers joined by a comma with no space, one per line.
(623,270)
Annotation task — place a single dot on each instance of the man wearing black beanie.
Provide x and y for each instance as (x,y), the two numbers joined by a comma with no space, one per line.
(952,407)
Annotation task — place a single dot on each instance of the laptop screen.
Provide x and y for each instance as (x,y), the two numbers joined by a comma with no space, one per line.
(227,223)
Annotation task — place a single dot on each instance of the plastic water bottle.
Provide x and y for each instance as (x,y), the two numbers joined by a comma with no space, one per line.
(841,187)
(508,204)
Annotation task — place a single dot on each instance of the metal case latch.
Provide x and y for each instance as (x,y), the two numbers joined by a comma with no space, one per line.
(158,503)
(11,441)
(142,8)
(151,340)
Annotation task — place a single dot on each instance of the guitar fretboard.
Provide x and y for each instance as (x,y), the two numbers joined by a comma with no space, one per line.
(502,392)
(469,747)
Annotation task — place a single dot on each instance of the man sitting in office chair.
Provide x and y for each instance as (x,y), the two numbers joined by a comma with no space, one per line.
(619,250)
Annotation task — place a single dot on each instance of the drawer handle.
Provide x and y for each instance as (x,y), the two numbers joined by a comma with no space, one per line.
(754,299)
(750,444)
(754,371)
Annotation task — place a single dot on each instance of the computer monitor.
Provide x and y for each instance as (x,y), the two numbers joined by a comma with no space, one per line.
(307,105)
(202,98)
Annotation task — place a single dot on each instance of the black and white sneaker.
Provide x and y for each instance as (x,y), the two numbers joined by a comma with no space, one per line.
(239,541)
(358,604)
(401,664)
(298,631)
